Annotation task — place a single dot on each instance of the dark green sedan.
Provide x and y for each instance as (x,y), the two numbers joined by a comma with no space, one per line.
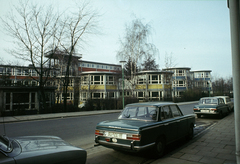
(143,126)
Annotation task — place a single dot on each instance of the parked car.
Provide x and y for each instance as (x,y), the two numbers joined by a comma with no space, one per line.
(228,101)
(211,106)
(39,149)
(142,126)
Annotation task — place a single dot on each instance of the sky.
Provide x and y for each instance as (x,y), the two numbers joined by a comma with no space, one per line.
(195,32)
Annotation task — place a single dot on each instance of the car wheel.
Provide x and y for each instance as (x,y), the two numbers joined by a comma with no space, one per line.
(198,115)
(160,147)
(190,133)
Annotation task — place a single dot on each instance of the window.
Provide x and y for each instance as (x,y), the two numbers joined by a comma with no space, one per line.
(140,94)
(165,113)
(111,94)
(18,71)
(84,80)
(1,70)
(154,79)
(110,80)
(179,72)
(141,81)
(175,111)
(155,94)
(96,79)
(96,95)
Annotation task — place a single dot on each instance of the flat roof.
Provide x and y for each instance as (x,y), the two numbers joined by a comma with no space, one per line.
(99,63)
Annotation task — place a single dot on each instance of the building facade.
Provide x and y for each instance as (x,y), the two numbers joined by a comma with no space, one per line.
(184,79)
(95,80)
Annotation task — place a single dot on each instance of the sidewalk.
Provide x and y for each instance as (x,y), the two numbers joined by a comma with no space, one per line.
(216,146)
(53,115)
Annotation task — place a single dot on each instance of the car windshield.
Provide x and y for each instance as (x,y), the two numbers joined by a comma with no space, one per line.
(146,113)
(5,144)
(208,101)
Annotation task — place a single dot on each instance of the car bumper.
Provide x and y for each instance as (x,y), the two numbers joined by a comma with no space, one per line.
(205,113)
(131,147)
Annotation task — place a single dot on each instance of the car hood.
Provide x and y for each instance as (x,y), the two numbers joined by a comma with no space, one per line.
(34,143)
(126,124)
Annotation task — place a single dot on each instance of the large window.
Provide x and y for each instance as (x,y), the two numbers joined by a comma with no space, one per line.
(110,80)
(154,79)
(96,79)
(179,83)
(180,72)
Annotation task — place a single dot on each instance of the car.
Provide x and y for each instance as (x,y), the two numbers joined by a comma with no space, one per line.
(39,149)
(145,126)
(228,101)
(211,106)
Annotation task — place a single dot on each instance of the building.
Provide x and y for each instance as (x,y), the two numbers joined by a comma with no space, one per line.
(153,85)
(19,91)
(184,79)
(202,79)
(95,80)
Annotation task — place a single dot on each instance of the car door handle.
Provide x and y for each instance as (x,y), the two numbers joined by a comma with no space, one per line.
(166,124)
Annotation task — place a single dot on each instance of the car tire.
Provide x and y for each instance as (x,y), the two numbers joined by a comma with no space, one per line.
(159,147)
(198,115)
(190,133)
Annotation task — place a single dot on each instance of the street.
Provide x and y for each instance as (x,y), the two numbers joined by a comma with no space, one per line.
(79,131)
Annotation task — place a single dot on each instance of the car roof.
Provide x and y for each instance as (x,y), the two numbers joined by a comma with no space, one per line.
(158,104)
(209,97)
(222,96)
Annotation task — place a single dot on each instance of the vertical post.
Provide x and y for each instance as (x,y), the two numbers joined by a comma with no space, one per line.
(235,41)
(123,81)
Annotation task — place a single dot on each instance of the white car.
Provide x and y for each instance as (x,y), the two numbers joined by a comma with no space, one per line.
(228,101)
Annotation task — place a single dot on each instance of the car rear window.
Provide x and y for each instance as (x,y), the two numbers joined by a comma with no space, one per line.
(209,101)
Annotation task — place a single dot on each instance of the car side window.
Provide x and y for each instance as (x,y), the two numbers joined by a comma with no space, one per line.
(221,101)
(175,111)
(166,113)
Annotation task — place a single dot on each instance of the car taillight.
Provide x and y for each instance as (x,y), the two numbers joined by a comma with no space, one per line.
(135,137)
(195,109)
(99,132)
(213,109)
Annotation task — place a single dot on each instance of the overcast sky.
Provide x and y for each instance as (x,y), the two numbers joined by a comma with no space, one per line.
(196,33)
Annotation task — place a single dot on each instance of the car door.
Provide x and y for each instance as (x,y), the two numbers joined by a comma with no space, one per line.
(182,123)
(169,127)
(222,106)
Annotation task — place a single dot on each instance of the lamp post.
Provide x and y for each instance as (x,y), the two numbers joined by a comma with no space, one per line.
(123,81)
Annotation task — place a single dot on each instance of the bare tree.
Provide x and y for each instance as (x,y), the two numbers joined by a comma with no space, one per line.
(134,46)
(74,30)
(169,60)
(36,30)
(32,28)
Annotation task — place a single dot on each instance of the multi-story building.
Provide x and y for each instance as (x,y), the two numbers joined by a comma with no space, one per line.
(202,79)
(153,85)
(184,79)
(19,89)
(180,80)
(97,80)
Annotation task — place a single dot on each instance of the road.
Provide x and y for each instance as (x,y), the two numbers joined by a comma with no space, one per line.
(79,131)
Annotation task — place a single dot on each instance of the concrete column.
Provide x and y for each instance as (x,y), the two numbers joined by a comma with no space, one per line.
(235,41)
